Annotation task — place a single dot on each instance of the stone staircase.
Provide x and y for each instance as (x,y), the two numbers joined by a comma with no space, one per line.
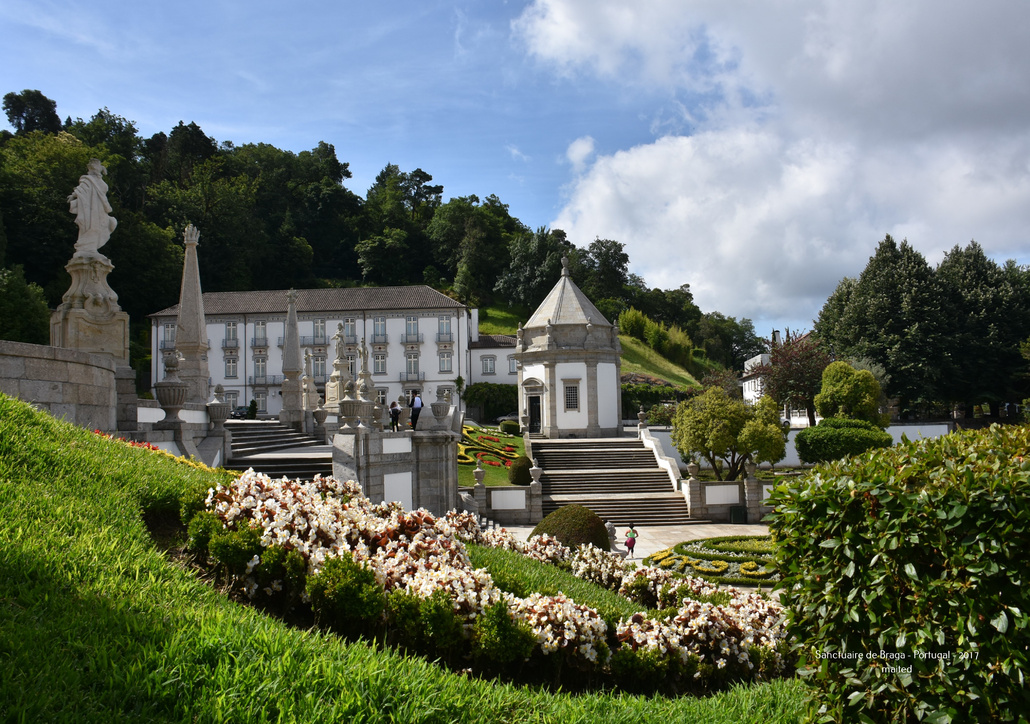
(256,442)
(617,478)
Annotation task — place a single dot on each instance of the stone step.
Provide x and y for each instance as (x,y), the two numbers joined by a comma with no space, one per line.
(289,467)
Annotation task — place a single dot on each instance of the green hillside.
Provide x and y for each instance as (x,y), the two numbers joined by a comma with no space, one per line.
(638,358)
(97,624)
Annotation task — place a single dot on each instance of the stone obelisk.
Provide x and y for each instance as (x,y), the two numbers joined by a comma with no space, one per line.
(89,318)
(191,332)
(292,412)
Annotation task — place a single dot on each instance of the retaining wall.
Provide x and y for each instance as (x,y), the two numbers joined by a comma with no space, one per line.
(76,386)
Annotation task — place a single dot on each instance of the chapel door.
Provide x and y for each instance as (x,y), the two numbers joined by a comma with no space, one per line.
(534,413)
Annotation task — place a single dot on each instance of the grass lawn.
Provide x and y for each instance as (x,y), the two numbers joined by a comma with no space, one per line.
(97,624)
(638,357)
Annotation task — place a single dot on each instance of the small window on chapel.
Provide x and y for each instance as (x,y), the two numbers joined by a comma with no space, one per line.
(572,397)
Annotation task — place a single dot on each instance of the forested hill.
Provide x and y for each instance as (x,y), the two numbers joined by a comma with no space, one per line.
(273,219)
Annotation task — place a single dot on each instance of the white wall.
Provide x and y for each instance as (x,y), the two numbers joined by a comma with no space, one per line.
(609,395)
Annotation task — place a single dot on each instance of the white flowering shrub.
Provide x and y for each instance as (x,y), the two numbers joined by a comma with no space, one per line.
(597,566)
(560,625)
(275,537)
(548,549)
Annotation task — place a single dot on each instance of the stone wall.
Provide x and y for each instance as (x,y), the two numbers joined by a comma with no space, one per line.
(76,386)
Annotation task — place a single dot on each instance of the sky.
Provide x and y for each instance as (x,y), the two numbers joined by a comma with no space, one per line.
(755,151)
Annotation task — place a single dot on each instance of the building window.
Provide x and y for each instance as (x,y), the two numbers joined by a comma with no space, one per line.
(261,398)
(352,366)
(411,364)
(260,367)
(379,330)
(318,329)
(350,331)
(318,366)
(168,339)
(230,367)
(411,326)
(513,365)
(572,396)
(447,393)
(444,333)
(489,364)
(232,398)
(379,364)
(230,330)
(445,362)
(381,393)
(260,334)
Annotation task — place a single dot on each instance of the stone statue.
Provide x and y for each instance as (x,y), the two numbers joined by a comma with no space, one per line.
(92,210)
(363,351)
(338,339)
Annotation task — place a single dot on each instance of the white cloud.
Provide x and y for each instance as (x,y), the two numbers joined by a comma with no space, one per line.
(516,153)
(819,128)
(579,153)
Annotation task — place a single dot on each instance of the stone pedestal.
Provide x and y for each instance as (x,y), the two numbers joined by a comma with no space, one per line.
(752,494)
(693,495)
(89,318)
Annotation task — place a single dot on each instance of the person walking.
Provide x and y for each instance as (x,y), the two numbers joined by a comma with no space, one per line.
(395,416)
(416,408)
(631,539)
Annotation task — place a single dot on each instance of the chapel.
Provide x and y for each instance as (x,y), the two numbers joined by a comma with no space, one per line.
(569,367)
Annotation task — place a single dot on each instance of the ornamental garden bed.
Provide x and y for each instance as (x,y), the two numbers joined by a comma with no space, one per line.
(495,449)
(739,560)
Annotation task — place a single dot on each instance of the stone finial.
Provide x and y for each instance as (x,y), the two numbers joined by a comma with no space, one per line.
(565,265)
(191,235)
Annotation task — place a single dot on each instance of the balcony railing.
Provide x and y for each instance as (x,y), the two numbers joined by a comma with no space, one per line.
(231,343)
(411,338)
(380,338)
(266,380)
(259,342)
(316,341)
(350,339)
(412,376)
(444,336)
(167,344)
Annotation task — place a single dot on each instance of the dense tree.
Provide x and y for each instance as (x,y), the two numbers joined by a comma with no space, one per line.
(24,314)
(794,375)
(607,270)
(727,341)
(535,266)
(894,314)
(727,433)
(986,319)
(30,111)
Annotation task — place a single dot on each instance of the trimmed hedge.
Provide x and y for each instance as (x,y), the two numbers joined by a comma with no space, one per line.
(835,438)
(914,603)
(510,427)
(574,525)
(518,473)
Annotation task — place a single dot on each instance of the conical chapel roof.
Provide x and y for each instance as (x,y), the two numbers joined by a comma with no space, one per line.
(566,304)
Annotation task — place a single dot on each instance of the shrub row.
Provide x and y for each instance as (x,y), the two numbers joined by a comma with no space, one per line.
(905,575)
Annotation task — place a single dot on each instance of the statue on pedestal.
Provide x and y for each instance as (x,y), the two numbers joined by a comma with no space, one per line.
(92,210)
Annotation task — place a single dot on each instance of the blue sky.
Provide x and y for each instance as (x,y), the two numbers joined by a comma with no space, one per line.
(757,152)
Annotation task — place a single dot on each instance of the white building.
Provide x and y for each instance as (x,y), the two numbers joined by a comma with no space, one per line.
(418,340)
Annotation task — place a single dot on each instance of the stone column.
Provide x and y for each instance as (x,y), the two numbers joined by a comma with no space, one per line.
(693,494)
(191,325)
(752,494)
(291,413)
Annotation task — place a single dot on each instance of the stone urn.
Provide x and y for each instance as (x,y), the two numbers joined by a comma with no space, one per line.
(642,417)
(692,469)
(171,392)
(750,468)
(479,473)
(440,407)
(320,413)
(218,411)
(536,471)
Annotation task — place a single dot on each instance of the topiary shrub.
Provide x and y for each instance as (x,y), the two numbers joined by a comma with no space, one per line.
(835,438)
(574,525)
(499,641)
(510,427)
(914,604)
(518,473)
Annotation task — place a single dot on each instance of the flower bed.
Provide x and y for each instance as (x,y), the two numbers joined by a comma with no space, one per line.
(728,559)
(496,450)
(408,574)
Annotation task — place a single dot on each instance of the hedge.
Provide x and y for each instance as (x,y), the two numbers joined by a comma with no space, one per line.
(835,438)
(913,604)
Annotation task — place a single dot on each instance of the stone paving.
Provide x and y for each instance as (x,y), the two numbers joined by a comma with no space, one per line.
(652,539)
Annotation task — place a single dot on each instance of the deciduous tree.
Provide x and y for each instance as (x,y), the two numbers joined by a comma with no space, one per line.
(794,375)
